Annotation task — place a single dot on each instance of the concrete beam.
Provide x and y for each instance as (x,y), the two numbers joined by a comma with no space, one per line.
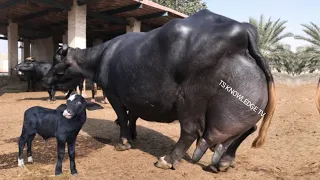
(153,15)
(84,2)
(10,3)
(12,46)
(54,4)
(38,14)
(122,9)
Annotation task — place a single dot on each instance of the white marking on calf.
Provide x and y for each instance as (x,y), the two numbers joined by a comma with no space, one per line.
(20,162)
(71,98)
(66,114)
(30,159)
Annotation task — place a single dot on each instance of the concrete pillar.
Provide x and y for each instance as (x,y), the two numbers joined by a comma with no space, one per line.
(97,42)
(56,40)
(12,46)
(134,25)
(65,38)
(42,49)
(22,52)
(26,49)
(77,24)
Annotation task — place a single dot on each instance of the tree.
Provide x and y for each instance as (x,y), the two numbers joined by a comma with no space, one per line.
(311,53)
(270,34)
(188,7)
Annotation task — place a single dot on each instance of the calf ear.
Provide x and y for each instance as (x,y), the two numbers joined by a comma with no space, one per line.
(93,106)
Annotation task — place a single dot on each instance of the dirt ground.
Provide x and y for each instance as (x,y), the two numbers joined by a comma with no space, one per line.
(291,150)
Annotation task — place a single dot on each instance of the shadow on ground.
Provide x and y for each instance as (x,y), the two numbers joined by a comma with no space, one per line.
(102,132)
(148,140)
(45,152)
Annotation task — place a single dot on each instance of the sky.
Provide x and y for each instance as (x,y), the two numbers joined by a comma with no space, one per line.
(296,12)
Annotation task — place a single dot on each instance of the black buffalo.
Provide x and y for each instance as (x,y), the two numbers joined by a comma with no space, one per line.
(175,72)
(36,70)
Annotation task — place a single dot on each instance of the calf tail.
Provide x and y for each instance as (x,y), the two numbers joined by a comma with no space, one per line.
(254,52)
(318,96)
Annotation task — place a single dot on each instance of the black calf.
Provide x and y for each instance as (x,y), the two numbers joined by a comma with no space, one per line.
(64,123)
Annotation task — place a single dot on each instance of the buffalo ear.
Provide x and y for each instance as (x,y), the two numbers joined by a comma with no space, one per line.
(65,49)
(93,106)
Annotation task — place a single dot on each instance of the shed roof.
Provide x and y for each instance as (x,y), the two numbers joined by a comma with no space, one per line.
(105,18)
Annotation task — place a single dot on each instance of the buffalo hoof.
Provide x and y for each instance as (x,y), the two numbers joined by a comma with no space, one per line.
(122,147)
(226,162)
(74,172)
(211,168)
(163,164)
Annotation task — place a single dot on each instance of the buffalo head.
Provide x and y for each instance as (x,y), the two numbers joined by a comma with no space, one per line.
(62,69)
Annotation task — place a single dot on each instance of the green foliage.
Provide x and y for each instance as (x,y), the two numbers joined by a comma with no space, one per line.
(279,55)
(310,54)
(187,7)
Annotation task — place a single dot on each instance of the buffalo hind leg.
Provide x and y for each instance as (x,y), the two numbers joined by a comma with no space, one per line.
(221,149)
(122,120)
(189,133)
(228,158)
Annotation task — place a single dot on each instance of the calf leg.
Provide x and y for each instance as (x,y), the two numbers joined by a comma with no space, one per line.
(29,144)
(72,154)
(61,152)
(21,143)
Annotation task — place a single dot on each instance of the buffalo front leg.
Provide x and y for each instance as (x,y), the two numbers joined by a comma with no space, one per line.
(122,120)
(190,131)
(133,126)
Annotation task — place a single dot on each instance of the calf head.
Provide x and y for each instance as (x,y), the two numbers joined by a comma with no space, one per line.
(76,106)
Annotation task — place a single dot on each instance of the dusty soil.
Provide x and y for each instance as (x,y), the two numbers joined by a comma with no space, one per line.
(291,151)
